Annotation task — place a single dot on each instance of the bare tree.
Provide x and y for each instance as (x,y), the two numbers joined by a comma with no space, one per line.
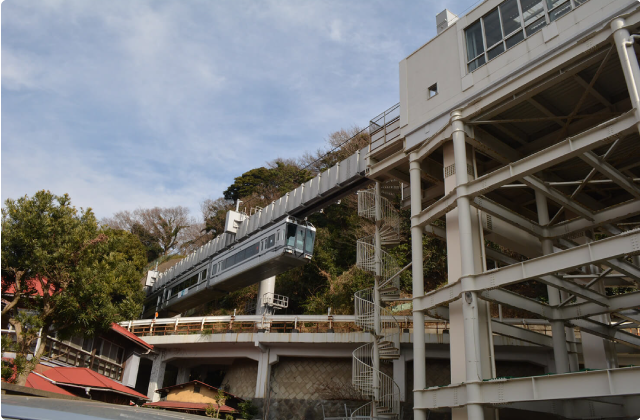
(214,214)
(340,145)
(165,225)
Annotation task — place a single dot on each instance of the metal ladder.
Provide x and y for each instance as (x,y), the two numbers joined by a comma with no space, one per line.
(367,377)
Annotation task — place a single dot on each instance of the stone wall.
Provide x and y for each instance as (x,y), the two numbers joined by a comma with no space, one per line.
(303,378)
(241,378)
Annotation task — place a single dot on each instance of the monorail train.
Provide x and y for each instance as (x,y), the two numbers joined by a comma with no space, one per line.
(284,245)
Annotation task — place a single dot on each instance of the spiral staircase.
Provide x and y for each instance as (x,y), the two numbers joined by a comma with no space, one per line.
(367,377)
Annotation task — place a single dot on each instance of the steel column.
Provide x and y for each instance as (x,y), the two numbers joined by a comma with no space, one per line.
(629,62)
(560,354)
(419,354)
(470,304)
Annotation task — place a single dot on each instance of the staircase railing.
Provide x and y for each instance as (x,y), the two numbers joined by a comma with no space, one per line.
(371,316)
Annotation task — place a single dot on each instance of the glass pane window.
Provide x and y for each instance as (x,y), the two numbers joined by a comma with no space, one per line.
(495,51)
(510,16)
(536,26)
(492,29)
(291,233)
(475,45)
(480,61)
(300,238)
(308,243)
(532,10)
(515,39)
(559,11)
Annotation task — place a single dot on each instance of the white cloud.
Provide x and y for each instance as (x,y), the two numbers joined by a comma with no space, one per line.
(126,104)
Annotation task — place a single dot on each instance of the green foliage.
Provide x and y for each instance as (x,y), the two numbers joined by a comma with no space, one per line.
(281,178)
(150,241)
(64,271)
(214,411)
(247,409)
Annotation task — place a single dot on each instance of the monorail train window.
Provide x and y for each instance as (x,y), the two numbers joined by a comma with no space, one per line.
(300,237)
(214,269)
(204,275)
(271,241)
(229,261)
(308,243)
(291,234)
(252,250)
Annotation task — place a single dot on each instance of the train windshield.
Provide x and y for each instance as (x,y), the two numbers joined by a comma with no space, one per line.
(300,238)
(308,243)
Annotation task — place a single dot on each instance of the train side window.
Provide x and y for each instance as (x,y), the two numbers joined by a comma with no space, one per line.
(214,269)
(204,275)
(271,241)
(278,235)
(252,250)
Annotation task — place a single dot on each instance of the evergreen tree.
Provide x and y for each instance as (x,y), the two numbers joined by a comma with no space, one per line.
(64,273)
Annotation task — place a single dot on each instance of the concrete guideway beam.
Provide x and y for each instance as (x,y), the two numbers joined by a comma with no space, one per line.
(591,253)
(559,152)
(591,384)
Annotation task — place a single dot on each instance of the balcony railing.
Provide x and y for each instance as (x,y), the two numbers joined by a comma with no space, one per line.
(385,128)
(73,356)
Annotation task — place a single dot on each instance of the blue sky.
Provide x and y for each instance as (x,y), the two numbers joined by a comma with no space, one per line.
(126,104)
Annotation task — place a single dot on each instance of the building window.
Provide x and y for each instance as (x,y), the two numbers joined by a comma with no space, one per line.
(109,350)
(508,24)
(196,388)
(433,90)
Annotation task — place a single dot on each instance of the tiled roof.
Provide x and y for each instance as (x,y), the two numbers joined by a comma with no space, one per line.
(131,336)
(87,377)
(189,406)
(37,382)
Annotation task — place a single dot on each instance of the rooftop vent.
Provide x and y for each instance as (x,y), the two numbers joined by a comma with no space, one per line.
(445,19)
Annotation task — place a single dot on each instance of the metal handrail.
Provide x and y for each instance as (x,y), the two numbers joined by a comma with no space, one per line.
(372,317)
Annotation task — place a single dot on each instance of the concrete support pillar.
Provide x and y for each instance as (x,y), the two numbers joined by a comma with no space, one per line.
(264,287)
(419,356)
(183,375)
(264,375)
(629,61)
(400,375)
(156,378)
(560,353)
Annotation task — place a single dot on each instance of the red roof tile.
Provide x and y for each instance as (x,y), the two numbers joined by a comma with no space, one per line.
(33,284)
(87,377)
(131,336)
(37,382)
(189,406)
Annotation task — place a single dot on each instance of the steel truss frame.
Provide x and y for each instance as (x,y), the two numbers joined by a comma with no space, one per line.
(617,383)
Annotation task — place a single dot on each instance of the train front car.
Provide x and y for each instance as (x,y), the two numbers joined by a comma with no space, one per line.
(267,253)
